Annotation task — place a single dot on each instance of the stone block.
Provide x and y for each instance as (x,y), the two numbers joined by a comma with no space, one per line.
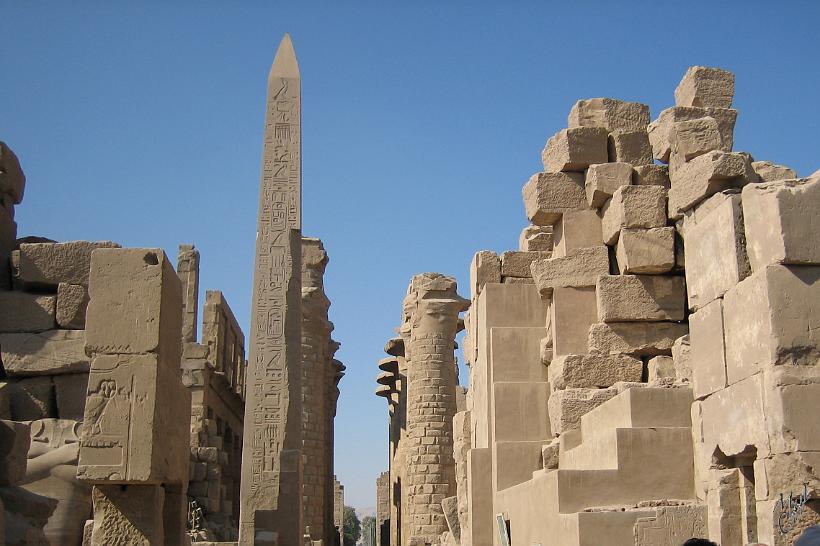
(681,354)
(15,439)
(550,454)
(24,312)
(566,407)
(602,180)
(580,268)
(12,179)
(549,195)
(676,524)
(630,147)
(572,311)
(535,238)
(49,264)
(781,218)
(513,354)
(32,398)
(72,301)
(694,137)
(514,462)
(485,268)
(633,207)
(518,411)
(45,353)
(651,175)
(115,306)
(706,175)
(611,114)
(135,425)
(593,370)
(130,514)
(576,230)
(786,398)
(5,399)
(70,391)
(772,318)
(635,338)
(661,130)
(769,172)
(703,86)
(575,149)
(517,264)
(733,418)
(650,251)
(660,368)
(627,298)
(708,349)
(8,237)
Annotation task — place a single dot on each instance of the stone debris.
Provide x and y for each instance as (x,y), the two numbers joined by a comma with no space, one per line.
(603,179)
(549,195)
(535,239)
(706,87)
(575,149)
(633,207)
(611,114)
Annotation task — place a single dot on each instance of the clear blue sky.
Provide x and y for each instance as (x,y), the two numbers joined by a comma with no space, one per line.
(142,123)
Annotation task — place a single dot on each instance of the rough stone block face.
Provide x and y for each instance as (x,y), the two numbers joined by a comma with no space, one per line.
(650,251)
(706,175)
(46,353)
(769,172)
(694,137)
(535,239)
(772,318)
(630,147)
(15,440)
(676,524)
(24,312)
(626,298)
(70,391)
(593,370)
(651,175)
(575,149)
(12,179)
(72,301)
(485,268)
(549,195)
(575,230)
(660,368)
(782,220)
(733,418)
(611,114)
(786,397)
(32,398)
(633,207)
(681,354)
(517,264)
(703,86)
(8,237)
(715,250)
(662,129)
(130,514)
(115,306)
(566,407)
(571,313)
(635,338)
(49,264)
(708,350)
(580,268)
(602,180)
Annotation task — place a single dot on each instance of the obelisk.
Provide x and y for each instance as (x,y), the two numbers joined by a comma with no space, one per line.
(270,506)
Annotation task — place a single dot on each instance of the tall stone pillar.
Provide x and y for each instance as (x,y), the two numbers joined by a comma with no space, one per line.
(270,507)
(188,271)
(433,307)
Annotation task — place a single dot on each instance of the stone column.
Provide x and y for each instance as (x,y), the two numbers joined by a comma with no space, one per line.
(188,271)
(336,372)
(134,442)
(433,307)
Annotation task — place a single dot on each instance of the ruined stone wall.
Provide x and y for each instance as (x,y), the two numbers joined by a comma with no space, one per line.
(338,510)
(383,509)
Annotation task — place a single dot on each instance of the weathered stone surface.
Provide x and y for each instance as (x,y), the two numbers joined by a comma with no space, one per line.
(708,350)
(485,268)
(611,114)
(706,175)
(12,179)
(23,312)
(630,147)
(734,418)
(548,195)
(650,251)
(715,250)
(130,514)
(14,446)
(572,311)
(517,264)
(70,391)
(72,301)
(566,407)
(781,219)
(49,264)
(188,271)
(575,149)
(32,398)
(603,179)
(46,353)
(635,338)
(681,354)
(769,172)
(535,239)
(703,86)
(651,175)
(576,230)
(593,370)
(115,305)
(633,207)
(787,392)
(661,130)
(672,525)
(550,454)
(694,137)
(660,368)
(771,318)
(625,298)
(8,236)
(580,268)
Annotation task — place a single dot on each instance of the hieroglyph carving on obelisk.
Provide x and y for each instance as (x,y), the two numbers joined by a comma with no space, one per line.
(271,459)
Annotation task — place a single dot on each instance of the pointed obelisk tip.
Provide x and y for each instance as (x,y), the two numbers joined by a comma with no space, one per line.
(285,64)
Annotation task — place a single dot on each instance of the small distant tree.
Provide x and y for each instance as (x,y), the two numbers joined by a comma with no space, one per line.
(352,527)
(368,530)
